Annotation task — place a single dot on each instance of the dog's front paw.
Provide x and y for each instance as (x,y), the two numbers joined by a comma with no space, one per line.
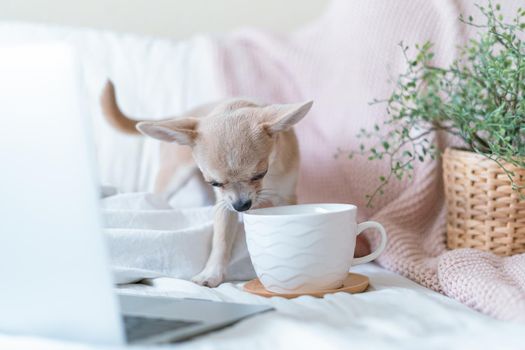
(209,277)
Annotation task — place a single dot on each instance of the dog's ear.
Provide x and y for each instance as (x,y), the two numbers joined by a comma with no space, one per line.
(182,131)
(278,118)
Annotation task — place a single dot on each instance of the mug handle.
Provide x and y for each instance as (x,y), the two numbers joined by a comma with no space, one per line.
(382,244)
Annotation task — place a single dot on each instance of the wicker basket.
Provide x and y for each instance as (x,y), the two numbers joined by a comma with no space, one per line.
(483,210)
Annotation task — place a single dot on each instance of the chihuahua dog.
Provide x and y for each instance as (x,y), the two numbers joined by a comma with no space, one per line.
(247,151)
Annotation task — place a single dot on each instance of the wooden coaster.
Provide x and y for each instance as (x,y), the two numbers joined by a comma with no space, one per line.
(354,283)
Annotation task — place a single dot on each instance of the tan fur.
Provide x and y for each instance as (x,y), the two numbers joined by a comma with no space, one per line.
(112,112)
(231,142)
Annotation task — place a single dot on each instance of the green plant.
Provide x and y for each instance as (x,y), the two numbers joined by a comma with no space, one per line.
(478,98)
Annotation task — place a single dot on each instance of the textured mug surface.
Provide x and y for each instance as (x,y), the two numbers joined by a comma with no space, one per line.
(304,248)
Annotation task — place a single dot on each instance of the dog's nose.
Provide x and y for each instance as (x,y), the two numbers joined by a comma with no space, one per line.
(242,205)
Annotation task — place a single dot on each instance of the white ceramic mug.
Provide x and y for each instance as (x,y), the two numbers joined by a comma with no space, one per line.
(308,247)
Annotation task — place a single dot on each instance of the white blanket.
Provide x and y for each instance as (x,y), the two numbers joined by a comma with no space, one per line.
(148,238)
(394,314)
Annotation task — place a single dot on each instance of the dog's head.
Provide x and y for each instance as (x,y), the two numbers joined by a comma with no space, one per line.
(233,145)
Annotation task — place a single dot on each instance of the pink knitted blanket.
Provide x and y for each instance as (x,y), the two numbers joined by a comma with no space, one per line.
(342,62)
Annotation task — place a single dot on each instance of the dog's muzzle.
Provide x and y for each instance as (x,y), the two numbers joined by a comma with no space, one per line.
(242,205)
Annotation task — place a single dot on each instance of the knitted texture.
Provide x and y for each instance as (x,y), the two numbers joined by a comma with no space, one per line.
(342,62)
(489,283)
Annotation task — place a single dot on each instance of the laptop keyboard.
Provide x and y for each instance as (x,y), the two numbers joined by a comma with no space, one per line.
(138,327)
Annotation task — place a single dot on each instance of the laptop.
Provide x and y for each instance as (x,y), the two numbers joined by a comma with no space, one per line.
(54,265)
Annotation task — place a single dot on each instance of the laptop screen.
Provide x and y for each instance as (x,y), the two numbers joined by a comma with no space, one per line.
(55,274)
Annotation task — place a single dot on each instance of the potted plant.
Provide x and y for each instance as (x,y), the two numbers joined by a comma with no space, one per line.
(480,100)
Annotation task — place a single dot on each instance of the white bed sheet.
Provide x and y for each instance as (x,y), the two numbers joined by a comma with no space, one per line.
(394,313)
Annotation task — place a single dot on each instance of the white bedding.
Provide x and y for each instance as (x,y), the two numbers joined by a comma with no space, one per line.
(394,314)
(148,238)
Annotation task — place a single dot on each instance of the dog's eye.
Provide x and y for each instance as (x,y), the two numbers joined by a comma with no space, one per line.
(216,184)
(258,176)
